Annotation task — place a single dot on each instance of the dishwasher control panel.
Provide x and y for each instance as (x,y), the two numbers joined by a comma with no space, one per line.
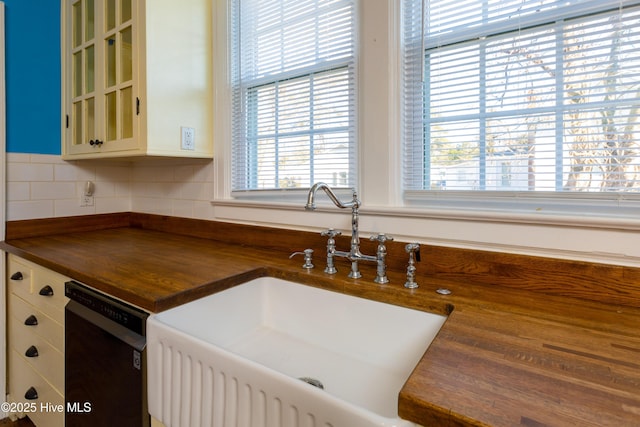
(114,310)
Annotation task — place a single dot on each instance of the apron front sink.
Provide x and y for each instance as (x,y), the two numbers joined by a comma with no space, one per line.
(275,353)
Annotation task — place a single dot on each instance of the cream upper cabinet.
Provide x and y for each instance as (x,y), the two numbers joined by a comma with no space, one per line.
(137,78)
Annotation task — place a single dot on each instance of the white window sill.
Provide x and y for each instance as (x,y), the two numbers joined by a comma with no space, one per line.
(594,212)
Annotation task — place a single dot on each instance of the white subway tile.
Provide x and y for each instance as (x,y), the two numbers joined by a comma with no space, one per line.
(196,191)
(18,158)
(29,210)
(46,158)
(53,190)
(112,204)
(71,207)
(40,186)
(65,172)
(29,172)
(203,210)
(152,205)
(18,191)
(113,173)
(183,208)
(183,173)
(204,173)
(154,173)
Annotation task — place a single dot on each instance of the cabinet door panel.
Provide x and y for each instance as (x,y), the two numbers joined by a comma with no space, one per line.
(126,60)
(89,69)
(89,28)
(90,119)
(111,116)
(83,73)
(77,73)
(77,24)
(110,61)
(125,11)
(76,120)
(110,14)
(126,101)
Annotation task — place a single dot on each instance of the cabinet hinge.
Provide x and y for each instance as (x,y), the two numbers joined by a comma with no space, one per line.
(137,106)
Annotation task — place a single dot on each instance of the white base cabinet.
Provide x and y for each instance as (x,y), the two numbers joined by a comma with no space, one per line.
(35,336)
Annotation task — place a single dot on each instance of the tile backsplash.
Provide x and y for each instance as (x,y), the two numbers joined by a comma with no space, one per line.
(182,188)
(44,186)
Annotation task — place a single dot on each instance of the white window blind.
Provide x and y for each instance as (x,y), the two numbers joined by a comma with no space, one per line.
(521,96)
(293,79)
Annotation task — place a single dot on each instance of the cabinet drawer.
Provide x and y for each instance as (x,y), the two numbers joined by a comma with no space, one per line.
(48,293)
(46,327)
(20,277)
(39,286)
(21,378)
(49,362)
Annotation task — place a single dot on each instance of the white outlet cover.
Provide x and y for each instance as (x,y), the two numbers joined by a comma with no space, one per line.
(86,200)
(188,138)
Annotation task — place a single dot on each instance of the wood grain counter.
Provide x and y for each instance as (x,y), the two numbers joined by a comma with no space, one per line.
(505,356)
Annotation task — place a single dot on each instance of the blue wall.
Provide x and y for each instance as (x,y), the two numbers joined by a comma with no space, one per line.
(32,32)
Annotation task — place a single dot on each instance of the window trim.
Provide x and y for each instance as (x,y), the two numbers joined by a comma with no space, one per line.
(380,154)
(593,209)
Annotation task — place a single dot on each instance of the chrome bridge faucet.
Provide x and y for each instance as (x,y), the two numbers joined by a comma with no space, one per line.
(354,255)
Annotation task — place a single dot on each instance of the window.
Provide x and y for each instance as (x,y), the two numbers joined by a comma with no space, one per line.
(293,81)
(526,96)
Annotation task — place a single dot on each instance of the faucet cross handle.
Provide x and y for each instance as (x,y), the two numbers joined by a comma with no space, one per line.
(331,249)
(381,257)
(381,238)
(331,233)
(413,249)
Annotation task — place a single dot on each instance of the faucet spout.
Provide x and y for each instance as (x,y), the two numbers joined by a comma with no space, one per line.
(311,197)
(354,255)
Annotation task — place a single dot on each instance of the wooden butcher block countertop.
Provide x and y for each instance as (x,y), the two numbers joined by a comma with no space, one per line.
(504,357)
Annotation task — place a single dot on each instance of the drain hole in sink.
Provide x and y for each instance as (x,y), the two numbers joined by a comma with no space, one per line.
(314,382)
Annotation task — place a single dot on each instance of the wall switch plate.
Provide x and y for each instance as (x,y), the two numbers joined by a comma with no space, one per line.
(188,138)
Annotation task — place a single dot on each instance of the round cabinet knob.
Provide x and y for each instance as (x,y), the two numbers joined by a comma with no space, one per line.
(31,351)
(31,394)
(46,291)
(31,321)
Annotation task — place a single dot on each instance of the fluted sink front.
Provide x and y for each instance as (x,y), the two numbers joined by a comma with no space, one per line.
(257,340)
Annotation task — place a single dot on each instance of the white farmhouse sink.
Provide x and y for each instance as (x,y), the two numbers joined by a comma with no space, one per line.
(234,358)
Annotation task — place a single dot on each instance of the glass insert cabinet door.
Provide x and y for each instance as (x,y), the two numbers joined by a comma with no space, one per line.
(103,103)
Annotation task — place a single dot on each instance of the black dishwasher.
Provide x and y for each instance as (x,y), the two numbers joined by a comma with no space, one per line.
(105,363)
